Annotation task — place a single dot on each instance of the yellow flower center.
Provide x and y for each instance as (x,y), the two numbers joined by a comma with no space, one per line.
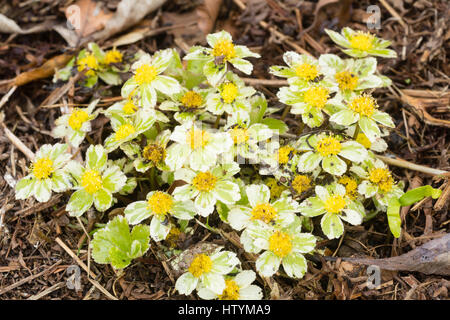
(362,139)
(145,74)
(239,135)
(224,48)
(364,105)
(350,186)
(280,244)
(154,153)
(335,204)
(229,92)
(89,61)
(316,97)
(328,146)
(192,99)
(91,181)
(346,80)
(382,177)
(43,168)
(283,154)
(197,138)
(204,181)
(275,188)
(129,107)
(200,265)
(301,183)
(264,212)
(77,118)
(361,41)
(231,291)
(113,56)
(124,131)
(306,71)
(160,203)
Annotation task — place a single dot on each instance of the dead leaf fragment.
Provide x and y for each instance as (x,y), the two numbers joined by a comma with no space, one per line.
(431,258)
(207,13)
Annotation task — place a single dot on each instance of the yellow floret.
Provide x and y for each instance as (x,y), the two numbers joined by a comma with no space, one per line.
(43,168)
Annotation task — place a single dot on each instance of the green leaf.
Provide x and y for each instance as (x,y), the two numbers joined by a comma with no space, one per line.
(116,245)
(393,215)
(417,194)
(275,124)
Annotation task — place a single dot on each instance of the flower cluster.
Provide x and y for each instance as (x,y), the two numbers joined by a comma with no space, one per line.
(196,141)
(95,64)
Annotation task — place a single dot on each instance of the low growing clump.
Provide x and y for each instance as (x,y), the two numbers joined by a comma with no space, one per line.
(199,142)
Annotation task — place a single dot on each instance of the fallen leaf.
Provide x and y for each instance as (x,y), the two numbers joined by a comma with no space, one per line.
(207,13)
(431,258)
(128,13)
(44,71)
(87,17)
(8,25)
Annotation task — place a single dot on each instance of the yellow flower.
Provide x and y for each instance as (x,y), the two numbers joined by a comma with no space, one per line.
(145,74)
(129,107)
(328,146)
(229,92)
(382,177)
(316,97)
(264,212)
(231,291)
(335,204)
(89,61)
(154,153)
(346,80)
(306,71)
(361,41)
(204,181)
(365,105)
(77,118)
(43,168)
(200,265)
(91,181)
(124,131)
(283,154)
(160,203)
(301,183)
(280,244)
(113,56)
(224,48)
(192,99)
(239,135)
(350,186)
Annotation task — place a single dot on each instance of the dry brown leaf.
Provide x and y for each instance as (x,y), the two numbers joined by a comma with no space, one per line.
(207,13)
(128,13)
(44,71)
(431,258)
(87,17)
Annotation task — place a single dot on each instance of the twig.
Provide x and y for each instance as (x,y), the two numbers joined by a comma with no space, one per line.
(18,143)
(394,14)
(412,166)
(5,98)
(281,36)
(47,291)
(265,82)
(74,256)
(29,278)
(81,264)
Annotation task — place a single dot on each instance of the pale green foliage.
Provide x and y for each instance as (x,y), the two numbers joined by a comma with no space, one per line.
(115,243)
